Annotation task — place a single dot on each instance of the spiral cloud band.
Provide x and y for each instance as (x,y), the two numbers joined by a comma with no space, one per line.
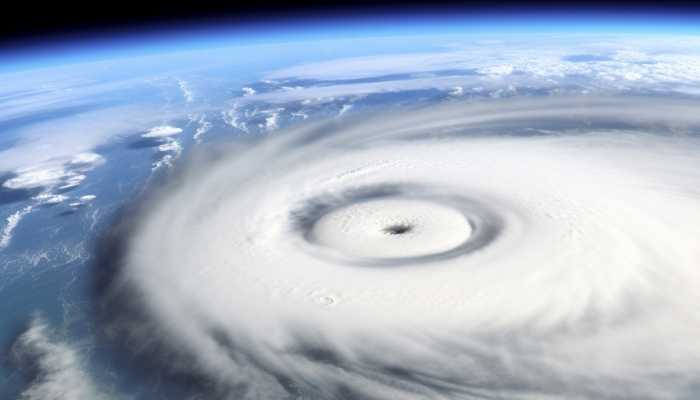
(531,248)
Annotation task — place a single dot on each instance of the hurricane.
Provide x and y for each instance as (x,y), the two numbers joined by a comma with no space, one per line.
(522,248)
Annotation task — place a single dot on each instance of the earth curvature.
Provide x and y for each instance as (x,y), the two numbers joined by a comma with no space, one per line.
(466,213)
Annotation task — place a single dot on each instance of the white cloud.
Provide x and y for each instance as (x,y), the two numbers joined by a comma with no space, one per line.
(186,91)
(88,158)
(639,62)
(170,146)
(172,151)
(49,198)
(329,93)
(55,174)
(37,177)
(165,162)
(568,273)
(497,70)
(73,180)
(83,200)
(162,131)
(62,139)
(456,91)
(57,112)
(271,121)
(299,114)
(10,224)
(233,118)
(204,127)
(59,372)
(345,108)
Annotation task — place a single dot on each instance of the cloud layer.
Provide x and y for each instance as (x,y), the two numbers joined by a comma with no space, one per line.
(580,278)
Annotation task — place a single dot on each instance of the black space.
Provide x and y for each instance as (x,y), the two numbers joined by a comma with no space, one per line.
(25,23)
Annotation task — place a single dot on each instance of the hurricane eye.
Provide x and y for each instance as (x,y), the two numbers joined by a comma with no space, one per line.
(397,229)
(394,224)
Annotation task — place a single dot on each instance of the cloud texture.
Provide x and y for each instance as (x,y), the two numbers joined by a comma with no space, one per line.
(530,248)
(57,370)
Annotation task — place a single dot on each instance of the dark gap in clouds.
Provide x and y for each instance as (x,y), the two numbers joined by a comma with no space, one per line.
(373,79)
(304,217)
(649,62)
(67,189)
(347,392)
(48,205)
(406,99)
(586,58)
(486,225)
(526,127)
(144,143)
(319,354)
(9,196)
(66,213)
(289,385)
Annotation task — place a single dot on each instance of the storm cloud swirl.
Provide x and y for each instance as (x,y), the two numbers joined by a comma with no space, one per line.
(519,249)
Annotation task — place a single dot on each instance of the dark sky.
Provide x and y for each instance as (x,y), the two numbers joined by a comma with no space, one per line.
(28,22)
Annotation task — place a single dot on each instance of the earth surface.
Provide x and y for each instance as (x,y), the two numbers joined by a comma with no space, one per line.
(81,142)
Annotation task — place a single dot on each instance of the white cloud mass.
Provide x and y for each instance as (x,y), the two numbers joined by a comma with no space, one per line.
(162,131)
(577,276)
(11,223)
(57,369)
